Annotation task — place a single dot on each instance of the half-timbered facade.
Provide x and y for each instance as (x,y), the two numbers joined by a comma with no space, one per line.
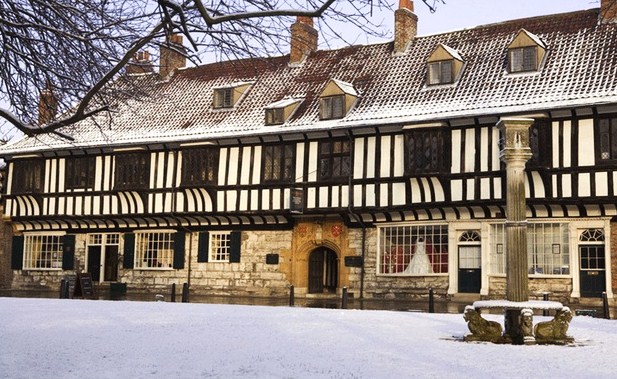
(375,168)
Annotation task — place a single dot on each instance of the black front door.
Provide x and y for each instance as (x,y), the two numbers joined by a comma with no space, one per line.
(469,269)
(94,263)
(323,271)
(592,270)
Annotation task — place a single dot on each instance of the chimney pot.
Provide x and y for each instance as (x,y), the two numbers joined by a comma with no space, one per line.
(405,4)
(140,63)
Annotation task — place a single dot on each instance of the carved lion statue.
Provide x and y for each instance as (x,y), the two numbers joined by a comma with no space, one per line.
(555,329)
(481,329)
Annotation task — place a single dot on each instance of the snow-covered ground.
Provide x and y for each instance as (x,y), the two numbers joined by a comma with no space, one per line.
(52,338)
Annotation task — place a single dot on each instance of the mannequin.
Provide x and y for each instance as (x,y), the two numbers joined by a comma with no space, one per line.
(420,264)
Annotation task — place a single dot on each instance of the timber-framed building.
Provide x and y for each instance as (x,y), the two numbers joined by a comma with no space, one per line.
(375,168)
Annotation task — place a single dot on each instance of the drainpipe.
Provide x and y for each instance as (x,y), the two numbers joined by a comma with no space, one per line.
(188,269)
(354,215)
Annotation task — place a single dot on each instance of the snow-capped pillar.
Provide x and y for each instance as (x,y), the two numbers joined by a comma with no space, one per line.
(515,153)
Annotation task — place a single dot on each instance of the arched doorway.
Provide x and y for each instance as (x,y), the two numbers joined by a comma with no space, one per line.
(323,271)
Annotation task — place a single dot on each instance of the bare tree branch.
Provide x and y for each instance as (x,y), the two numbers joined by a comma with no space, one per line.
(82,47)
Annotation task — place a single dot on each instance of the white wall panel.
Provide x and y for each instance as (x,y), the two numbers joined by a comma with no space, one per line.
(358,159)
(586,156)
(372,153)
(484,143)
(384,153)
(470,150)
(456,151)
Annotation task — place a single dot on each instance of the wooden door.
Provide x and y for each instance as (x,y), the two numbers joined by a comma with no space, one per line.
(94,262)
(111,263)
(316,271)
(592,270)
(323,271)
(469,269)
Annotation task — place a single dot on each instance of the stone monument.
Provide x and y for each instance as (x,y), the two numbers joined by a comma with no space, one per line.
(518,318)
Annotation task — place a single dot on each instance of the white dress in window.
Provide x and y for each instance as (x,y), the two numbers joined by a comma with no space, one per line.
(420,264)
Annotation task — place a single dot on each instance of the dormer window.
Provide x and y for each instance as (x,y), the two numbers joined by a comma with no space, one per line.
(440,72)
(279,112)
(523,59)
(332,107)
(275,116)
(444,66)
(525,53)
(336,100)
(228,96)
(223,98)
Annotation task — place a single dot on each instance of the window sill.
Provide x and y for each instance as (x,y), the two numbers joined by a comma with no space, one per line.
(403,275)
(42,269)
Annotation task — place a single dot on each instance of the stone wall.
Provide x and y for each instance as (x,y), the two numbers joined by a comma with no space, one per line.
(252,276)
(559,289)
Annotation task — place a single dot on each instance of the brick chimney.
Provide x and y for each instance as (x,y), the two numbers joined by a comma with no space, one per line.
(140,64)
(608,11)
(48,105)
(405,26)
(303,39)
(171,58)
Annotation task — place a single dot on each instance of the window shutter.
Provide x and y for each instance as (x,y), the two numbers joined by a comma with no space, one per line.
(68,252)
(203,247)
(129,250)
(179,250)
(17,256)
(234,247)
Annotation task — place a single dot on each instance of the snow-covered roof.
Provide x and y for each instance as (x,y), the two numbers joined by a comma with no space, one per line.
(579,70)
(282,103)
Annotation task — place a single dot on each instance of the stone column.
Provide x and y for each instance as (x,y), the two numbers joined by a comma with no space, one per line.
(515,153)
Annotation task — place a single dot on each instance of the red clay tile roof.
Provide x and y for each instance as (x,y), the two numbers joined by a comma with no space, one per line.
(580,70)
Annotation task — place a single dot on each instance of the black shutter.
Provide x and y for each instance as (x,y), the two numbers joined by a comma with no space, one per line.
(179,238)
(68,252)
(17,256)
(234,247)
(203,247)
(129,250)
